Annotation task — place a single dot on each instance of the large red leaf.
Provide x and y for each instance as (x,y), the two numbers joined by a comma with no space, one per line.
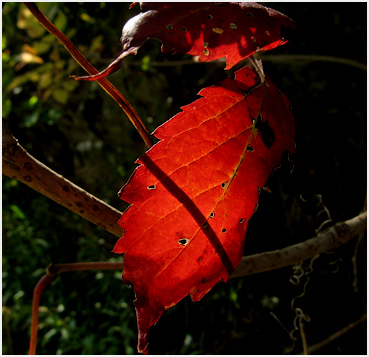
(207,30)
(195,191)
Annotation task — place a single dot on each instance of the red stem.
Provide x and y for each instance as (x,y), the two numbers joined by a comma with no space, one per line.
(104,83)
(47,279)
(40,287)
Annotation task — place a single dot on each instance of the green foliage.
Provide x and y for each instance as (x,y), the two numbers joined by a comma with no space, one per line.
(77,130)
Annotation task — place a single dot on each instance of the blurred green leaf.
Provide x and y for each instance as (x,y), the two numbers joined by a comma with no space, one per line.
(52,332)
(145,63)
(7,107)
(28,22)
(31,119)
(18,212)
(60,95)
(61,21)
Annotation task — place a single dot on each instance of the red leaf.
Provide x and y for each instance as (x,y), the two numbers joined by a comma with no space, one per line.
(207,30)
(195,191)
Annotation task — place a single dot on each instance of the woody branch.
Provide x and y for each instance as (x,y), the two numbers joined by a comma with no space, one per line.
(20,165)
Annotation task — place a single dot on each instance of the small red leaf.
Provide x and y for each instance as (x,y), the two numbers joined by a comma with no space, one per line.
(208,30)
(195,191)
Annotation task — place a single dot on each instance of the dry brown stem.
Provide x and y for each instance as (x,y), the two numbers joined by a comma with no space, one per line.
(318,346)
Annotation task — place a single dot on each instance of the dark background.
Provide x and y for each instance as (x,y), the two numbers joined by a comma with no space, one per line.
(77,130)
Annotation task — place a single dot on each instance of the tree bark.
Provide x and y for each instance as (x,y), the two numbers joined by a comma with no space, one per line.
(330,239)
(20,165)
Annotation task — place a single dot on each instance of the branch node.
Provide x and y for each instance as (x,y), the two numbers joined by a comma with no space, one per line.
(50,270)
(342,229)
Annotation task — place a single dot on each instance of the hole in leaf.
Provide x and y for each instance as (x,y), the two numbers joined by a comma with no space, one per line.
(152,187)
(224,230)
(249,14)
(206,44)
(183,241)
(210,16)
(212,214)
(183,29)
(205,225)
(224,185)
(199,260)
(241,220)
(249,148)
(218,30)
(206,52)
(267,134)
(169,27)
(232,26)
(282,39)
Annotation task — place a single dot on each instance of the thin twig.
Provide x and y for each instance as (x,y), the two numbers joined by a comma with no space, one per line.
(318,346)
(258,67)
(104,83)
(264,56)
(354,257)
(303,336)
(354,262)
(294,58)
(55,269)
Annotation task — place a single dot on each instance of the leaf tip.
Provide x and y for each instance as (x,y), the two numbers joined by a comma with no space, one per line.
(118,247)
